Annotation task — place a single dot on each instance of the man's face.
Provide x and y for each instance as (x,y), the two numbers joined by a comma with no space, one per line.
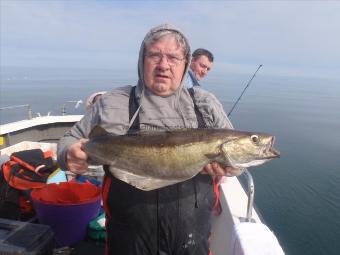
(164,65)
(201,66)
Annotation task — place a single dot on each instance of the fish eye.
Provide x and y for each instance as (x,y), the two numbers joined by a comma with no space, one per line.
(254,138)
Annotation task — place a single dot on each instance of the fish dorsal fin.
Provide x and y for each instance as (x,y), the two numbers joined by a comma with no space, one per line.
(97,131)
(149,132)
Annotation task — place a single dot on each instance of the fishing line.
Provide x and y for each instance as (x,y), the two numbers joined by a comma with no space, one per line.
(244,90)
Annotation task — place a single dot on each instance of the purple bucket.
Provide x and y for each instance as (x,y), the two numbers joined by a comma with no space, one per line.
(67,218)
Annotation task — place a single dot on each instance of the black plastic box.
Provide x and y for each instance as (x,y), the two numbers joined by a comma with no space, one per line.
(18,237)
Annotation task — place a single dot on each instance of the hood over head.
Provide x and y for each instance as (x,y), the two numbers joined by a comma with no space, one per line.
(154,31)
(163,112)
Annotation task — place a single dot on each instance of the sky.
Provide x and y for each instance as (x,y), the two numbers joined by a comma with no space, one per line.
(298,38)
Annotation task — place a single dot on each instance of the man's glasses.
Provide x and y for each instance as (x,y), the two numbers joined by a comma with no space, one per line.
(156,57)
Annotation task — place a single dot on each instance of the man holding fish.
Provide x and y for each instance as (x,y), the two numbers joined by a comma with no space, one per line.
(159,162)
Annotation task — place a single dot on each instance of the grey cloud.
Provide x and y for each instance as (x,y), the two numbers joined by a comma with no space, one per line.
(282,35)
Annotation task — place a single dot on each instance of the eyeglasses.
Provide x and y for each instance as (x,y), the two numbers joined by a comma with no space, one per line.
(156,57)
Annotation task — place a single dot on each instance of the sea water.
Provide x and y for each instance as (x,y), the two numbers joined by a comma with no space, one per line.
(298,195)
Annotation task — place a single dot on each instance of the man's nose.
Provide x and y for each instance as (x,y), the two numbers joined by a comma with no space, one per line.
(163,62)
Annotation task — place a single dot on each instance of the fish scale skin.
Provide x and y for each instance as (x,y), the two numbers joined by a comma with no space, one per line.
(158,159)
(161,162)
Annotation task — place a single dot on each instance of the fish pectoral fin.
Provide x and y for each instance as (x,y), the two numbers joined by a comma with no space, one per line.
(226,158)
(212,155)
(141,182)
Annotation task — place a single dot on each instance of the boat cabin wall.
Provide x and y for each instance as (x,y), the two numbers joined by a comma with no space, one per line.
(43,133)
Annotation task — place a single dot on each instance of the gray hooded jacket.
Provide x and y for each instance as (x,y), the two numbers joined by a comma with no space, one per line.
(175,111)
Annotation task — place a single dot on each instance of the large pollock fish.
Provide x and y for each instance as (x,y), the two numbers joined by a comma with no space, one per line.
(151,160)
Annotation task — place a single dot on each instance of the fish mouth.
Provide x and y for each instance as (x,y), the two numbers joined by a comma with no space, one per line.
(270,151)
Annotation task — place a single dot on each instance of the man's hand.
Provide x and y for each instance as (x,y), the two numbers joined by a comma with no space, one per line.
(76,158)
(215,168)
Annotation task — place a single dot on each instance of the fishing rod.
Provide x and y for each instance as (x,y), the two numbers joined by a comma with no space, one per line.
(244,90)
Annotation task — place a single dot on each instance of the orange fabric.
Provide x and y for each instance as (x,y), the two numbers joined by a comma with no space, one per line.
(23,163)
(105,192)
(216,187)
(28,166)
(66,193)
(25,204)
(18,183)
(48,154)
